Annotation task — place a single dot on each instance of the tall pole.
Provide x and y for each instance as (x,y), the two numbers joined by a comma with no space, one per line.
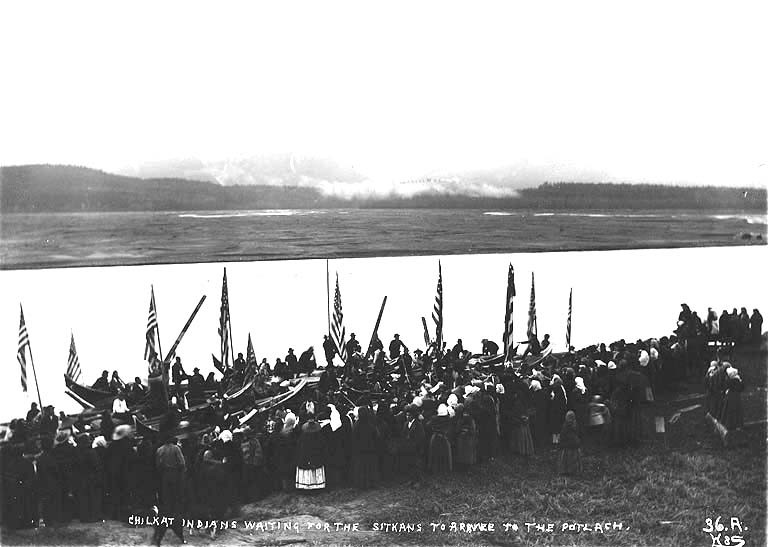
(157,324)
(37,386)
(184,330)
(328,296)
(376,328)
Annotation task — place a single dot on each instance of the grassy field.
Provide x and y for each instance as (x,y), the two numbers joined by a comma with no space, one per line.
(661,493)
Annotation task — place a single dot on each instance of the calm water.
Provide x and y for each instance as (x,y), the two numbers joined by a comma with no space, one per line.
(97,239)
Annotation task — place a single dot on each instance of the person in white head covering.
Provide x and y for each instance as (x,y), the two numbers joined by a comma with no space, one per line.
(578,401)
(453,400)
(225,436)
(439,452)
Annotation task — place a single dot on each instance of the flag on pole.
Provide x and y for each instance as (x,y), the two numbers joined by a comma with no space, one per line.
(338,332)
(427,340)
(568,324)
(250,355)
(21,354)
(152,331)
(532,329)
(508,322)
(73,363)
(437,312)
(225,326)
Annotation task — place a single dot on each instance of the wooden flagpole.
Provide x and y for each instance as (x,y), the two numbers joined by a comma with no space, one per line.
(157,324)
(376,328)
(32,360)
(184,330)
(328,296)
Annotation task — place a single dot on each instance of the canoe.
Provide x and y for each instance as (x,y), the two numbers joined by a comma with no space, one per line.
(95,398)
(272,402)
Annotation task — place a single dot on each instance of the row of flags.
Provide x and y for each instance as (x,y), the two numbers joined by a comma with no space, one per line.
(338,332)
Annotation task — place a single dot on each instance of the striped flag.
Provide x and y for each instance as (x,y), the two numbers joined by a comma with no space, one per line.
(508,321)
(427,340)
(73,362)
(250,355)
(21,354)
(337,326)
(532,329)
(568,324)
(225,326)
(150,349)
(437,312)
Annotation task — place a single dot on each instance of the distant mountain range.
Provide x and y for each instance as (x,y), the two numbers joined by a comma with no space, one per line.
(59,188)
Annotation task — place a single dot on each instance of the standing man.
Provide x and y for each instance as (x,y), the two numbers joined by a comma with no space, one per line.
(178,374)
(353,346)
(171,466)
(292,362)
(395,346)
(330,350)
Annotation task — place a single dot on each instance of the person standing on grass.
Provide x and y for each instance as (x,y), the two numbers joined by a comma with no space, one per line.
(732,412)
(558,404)
(570,443)
(311,456)
(171,467)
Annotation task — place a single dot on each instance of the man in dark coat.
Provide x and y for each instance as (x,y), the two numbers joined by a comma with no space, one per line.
(395,346)
(307,361)
(171,466)
(117,460)
(49,483)
(329,348)
(33,412)
(413,443)
(292,362)
(196,385)
(353,346)
(239,363)
(102,384)
(490,347)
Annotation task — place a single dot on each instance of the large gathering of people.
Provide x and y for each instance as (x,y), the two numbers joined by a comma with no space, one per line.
(381,417)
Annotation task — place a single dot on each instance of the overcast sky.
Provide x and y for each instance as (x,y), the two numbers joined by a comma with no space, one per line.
(649,91)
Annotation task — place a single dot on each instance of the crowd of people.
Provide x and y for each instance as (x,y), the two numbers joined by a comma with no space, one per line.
(445,413)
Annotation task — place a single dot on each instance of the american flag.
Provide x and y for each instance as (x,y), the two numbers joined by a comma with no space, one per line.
(508,321)
(225,326)
(250,356)
(152,330)
(337,327)
(21,354)
(73,363)
(532,312)
(568,324)
(437,312)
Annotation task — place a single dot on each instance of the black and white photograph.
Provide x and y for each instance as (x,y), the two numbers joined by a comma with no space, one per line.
(392,273)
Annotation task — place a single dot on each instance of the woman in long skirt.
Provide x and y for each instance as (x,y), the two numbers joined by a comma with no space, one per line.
(365,446)
(440,458)
(311,456)
(465,453)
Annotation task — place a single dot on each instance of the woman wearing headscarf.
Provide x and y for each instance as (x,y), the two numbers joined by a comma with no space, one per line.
(578,401)
(732,413)
(213,475)
(385,424)
(336,438)
(570,442)
(558,404)
(366,443)
(465,450)
(440,455)
(66,457)
(284,452)
(311,455)
(520,440)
